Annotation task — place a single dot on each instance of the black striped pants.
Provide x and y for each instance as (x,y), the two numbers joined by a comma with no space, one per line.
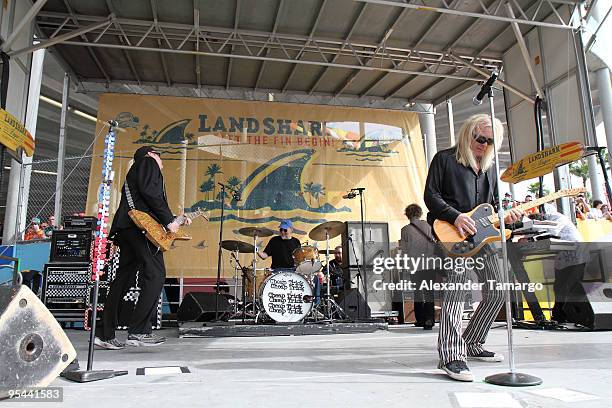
(452,345)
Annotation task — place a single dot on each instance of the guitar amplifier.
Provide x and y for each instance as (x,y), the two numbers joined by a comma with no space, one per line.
(65,289)
(76,222)
(71,246)
(376,243)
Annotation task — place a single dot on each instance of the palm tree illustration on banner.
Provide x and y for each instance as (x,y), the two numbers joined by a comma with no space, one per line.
(212,172)
(308,189)
(234,183)
(317,190)
(206,187)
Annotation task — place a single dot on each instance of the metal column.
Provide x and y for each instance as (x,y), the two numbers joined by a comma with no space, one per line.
(61,152)
(451,121)
(428,129)
(605,101)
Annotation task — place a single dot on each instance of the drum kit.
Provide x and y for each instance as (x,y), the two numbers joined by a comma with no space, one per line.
(286,296)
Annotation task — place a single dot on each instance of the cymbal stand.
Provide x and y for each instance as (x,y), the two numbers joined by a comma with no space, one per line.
(255,236)
(330,304)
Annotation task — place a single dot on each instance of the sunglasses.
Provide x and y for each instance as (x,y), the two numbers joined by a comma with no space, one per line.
(483,139)
(283,230)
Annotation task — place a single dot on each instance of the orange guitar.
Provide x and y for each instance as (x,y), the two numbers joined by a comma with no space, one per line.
(487,226)
(156,233)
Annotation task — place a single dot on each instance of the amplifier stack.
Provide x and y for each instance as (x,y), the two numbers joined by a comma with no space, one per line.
(67,276)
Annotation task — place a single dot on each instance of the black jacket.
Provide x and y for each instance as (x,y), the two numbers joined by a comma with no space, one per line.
(452,189)
(146,184)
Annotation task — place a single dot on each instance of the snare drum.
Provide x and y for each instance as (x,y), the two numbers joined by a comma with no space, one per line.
(261,277)
(286,297)
(306,260)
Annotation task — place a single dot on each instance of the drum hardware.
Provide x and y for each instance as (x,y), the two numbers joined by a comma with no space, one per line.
(326,231)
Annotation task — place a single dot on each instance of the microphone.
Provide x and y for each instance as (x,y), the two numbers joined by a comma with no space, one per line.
(484,90)
(350,195)
(112,123)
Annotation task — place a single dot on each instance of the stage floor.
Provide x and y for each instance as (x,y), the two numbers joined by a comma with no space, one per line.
(395,368)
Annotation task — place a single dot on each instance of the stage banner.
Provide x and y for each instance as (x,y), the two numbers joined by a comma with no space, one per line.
(284,161)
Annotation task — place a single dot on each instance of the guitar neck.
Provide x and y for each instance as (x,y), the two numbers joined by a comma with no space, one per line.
(536,203)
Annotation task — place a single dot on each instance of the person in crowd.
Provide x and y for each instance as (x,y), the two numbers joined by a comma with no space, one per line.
(595,212)
(34,231)
(581,206)
(605,212)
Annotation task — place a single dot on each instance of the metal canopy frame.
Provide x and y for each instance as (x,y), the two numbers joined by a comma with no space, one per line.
(355,56)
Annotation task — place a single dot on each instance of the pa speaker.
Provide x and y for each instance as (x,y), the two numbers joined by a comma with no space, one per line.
(590,304)
(200,307)
(35,349)
(354,305)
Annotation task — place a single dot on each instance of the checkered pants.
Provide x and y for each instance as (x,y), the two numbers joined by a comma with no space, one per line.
(452,345)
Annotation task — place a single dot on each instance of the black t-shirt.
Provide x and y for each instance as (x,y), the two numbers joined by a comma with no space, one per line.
(281,251)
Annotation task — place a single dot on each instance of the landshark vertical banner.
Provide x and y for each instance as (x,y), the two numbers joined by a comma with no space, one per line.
(285,160)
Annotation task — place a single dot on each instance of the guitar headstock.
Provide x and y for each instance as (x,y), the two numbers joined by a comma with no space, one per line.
(201,213)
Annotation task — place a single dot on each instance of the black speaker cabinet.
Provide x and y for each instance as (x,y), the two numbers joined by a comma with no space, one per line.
(590,305)
(354,305)
(200,307)
(35,349)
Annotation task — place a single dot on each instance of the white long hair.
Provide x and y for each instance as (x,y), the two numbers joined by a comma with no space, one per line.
(465,156)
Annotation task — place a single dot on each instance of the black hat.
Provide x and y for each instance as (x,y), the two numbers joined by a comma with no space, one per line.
(143,151)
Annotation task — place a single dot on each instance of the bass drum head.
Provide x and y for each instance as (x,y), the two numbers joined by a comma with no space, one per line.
(287,297)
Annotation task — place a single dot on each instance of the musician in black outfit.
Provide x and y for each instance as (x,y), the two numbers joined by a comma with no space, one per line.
(281,248)
(143,190)
(459,179)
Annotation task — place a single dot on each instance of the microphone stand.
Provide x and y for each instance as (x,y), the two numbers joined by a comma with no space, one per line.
(219,254)
(364,278)
(99,262)
(511,378)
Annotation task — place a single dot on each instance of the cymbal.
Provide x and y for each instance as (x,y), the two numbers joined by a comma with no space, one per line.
(259,231)
(333,228)
(236,245)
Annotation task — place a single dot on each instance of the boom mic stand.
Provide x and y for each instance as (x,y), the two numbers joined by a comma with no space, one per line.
(511,378)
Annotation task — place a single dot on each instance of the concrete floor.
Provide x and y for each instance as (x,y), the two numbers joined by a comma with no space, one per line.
(390,369)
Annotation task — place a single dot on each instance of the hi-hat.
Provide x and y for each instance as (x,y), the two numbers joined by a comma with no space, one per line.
(253,231)
(236,245)
(333,229)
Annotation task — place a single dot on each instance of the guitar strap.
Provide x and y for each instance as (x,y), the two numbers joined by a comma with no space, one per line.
(128,196)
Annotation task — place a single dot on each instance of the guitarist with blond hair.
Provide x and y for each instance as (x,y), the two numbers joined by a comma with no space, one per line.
(459,179)
(143,190)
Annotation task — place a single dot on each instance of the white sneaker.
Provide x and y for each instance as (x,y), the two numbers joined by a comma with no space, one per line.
(112,344)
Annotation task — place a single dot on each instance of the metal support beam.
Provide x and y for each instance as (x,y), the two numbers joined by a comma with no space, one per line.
(230,62)
(487,74)
(61,150)
(262,66)
(59,38)
(353,26)
(313,28)
(274,59)
(524,52)
(382,44)
(484,16)
(29,16)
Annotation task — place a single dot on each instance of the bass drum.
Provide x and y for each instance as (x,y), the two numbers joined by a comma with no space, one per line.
(286,297)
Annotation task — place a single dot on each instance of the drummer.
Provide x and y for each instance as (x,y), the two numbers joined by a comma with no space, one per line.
(281,248)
